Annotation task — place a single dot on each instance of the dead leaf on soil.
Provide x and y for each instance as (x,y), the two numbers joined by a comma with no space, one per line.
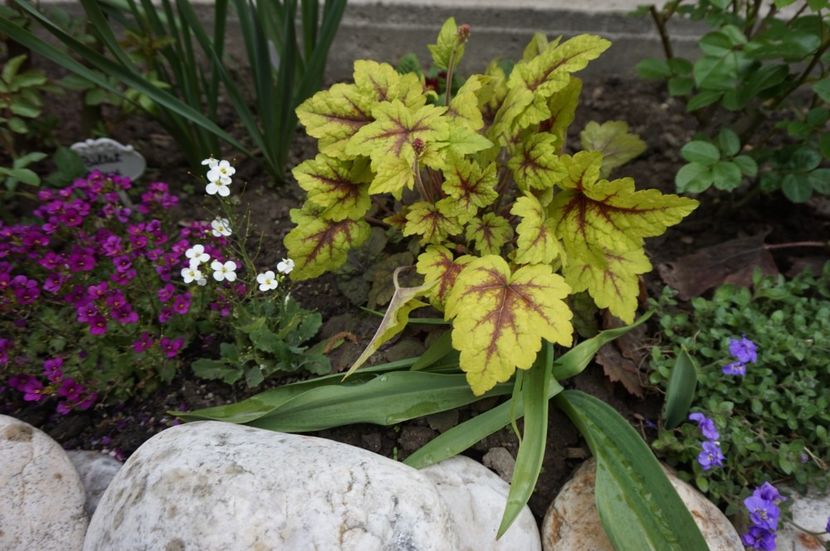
(620,369)
(729,262)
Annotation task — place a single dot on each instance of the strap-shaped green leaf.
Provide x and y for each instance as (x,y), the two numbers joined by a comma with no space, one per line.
(680,390)
(534,438)
(638,506)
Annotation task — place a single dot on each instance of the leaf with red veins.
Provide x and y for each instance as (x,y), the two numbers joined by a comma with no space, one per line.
(437,265)
(434,222)
(338,187)
(318,245)
(472,186)
(333,116)
(383,83)
(610,215)
(535,164)
(490,233)
(537,242)
(500,318)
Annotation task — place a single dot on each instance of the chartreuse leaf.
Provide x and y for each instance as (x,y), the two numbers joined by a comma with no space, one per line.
(437,265)
(614,141)
(333,116)
(472,186)
(434,222)
(538,44)
(637,505)
(537,242)
(680,390)
(611,278)
(562,106)
(395,319)
(460,140)
(382,82)
(490,232)
(318,245)
(500,318)
(340,188)
(602,225)
(449,48)
(534,437)
(533,82)
(388,141)
(534,162)
(464,104)
(466,434)
(493,90)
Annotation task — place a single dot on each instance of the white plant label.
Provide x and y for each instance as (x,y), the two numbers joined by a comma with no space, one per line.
(107,155)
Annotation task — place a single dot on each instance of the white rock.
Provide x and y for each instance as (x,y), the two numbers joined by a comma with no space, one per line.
(41,496)
(96,470)
(572,522)
(809,512)
(217,486)
(476,497)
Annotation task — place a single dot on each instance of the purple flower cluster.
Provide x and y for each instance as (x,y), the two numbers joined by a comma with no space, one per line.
(109,262)
(764,515)
(710,455)
(744,352)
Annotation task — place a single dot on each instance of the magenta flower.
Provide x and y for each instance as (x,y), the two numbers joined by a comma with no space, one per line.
(181,304)
(97,326)
(171,347)
(166,293)
(31,388)
(53,369)
(165,314)
(143,343)
(122,263)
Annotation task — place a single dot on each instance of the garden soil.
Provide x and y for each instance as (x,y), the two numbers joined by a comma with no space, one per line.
(657,118)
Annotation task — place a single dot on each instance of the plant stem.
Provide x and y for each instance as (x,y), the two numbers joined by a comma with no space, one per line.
(660,23)
(795,244)
(448,84)
(419,183)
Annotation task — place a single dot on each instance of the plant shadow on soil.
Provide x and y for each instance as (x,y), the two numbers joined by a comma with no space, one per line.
(657,118)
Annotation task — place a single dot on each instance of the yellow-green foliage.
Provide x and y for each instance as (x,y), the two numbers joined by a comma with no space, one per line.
(509,224)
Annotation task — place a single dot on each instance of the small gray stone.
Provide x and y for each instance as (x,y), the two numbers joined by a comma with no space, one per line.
(212,486)
(476,498)
(41,495)
(500,460)
(572,522)
(96,470)
(811,513)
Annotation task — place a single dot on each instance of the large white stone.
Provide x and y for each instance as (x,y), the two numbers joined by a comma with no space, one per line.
(216,486)
(811,513)
(96,470)
(572,522)
(476,497)
(41,496)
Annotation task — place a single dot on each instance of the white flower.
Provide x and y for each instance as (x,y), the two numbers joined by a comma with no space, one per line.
(218,187)
(202,281)
(267,281)
(210,162)
(189,275)
(220,227)
(197,255)
(222,171)
(285,266)
(226,271)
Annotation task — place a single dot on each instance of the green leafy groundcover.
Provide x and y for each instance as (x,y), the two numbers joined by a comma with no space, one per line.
(774,421)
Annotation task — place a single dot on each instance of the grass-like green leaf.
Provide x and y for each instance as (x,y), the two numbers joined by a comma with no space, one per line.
(638,506)
(680,390)
(534,438)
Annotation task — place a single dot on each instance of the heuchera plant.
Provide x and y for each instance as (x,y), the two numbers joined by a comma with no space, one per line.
(509,224)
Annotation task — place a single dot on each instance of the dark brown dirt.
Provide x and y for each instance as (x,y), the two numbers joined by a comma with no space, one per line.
(650,112)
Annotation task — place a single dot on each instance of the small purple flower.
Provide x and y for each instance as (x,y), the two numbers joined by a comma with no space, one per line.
(171,347)
(734,368)
(763,513)
(143,343)
(706,425)
(97,291)
(827,526)
(710,455)
(743,350)
(31,388)
(124,278)
(768,492)
(122,263)
(97,326)
(52,369)
(70,390)
(181,304)
(166,293)
(165,314)
(759,539)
